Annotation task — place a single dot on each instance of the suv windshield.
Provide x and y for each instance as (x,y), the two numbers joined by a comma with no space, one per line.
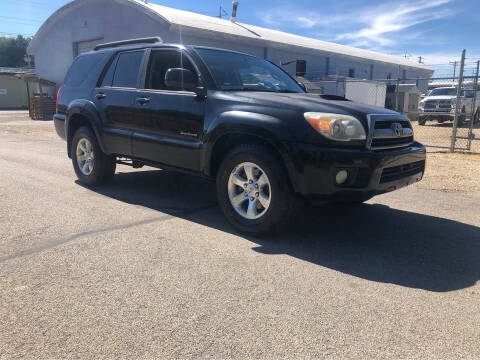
(239,72)
(439,92)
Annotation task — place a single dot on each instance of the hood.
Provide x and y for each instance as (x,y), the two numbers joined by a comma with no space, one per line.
(440,97)
(308,102)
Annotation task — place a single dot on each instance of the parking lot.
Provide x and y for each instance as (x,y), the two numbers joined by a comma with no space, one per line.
(147,267)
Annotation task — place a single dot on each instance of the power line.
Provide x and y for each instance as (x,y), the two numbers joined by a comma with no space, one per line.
(20,19)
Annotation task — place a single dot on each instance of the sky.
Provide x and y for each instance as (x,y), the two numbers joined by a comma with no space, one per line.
(436,30)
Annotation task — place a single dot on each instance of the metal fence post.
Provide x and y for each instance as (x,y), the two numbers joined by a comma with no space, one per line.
(397,93)
(457,107)
(474,104)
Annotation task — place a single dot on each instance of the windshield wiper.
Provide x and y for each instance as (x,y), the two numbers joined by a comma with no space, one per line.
(249,89)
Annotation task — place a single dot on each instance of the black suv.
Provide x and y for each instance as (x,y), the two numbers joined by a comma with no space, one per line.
(233,118)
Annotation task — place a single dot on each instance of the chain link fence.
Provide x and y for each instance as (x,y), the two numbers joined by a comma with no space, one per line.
(445,111)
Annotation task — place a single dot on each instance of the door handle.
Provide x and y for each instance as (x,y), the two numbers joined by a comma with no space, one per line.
(100,96)
(143,100)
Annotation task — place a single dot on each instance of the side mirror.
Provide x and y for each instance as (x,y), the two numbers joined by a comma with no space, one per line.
(302,85)
(181,79)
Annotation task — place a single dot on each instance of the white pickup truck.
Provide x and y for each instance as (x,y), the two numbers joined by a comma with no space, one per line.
(440,104)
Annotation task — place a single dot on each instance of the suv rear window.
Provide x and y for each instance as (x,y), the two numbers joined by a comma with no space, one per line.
(128,66)
(81,68)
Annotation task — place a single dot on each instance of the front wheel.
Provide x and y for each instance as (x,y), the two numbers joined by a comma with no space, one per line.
(253,191)
(91,164)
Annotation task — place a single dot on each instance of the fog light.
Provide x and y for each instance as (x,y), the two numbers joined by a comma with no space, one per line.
(341,177)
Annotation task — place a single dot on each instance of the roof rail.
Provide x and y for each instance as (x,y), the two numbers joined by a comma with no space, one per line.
(147,40)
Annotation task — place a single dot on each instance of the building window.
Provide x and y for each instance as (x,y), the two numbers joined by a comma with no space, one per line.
(351,72)
(404,74)
(301,68)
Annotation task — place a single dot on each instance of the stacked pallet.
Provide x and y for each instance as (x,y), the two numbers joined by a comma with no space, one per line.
(42,108)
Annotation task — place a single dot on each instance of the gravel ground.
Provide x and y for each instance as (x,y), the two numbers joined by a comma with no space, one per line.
(438,136)
(147,267)
(457,172)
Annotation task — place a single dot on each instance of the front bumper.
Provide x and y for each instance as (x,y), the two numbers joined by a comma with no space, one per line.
(436,112)
(370,172)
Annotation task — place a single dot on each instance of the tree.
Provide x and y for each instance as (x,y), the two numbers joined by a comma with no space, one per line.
(13,51)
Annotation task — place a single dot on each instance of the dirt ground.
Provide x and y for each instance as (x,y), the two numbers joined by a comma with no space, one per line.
(453,172)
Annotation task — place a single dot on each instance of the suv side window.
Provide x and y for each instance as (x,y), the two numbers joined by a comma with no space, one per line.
(160,62)
(108,77)
(81,68)
(126,71)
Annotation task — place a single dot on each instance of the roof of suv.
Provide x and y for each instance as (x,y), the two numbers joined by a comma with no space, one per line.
(159,45)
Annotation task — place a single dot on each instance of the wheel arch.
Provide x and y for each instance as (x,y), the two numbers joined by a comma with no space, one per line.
(225,142)
(81,114)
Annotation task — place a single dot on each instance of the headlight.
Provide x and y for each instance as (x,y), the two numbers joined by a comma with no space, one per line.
(336,127)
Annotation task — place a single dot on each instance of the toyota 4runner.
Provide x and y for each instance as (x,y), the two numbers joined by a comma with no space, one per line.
(233,118)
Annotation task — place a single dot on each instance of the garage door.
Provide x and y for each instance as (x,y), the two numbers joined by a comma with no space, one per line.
(85,46)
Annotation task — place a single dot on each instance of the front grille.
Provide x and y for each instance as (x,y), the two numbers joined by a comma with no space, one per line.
(389,133)
(402,171)
(445,104)
(386,124)
(438,105)
(392,142)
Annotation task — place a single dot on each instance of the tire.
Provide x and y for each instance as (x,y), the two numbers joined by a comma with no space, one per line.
(422,121)
(101,167)
(283,204)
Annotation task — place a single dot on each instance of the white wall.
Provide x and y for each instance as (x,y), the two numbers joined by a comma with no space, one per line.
(55,52)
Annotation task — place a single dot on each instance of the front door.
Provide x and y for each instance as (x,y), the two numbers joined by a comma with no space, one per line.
(169,123)
(115,100)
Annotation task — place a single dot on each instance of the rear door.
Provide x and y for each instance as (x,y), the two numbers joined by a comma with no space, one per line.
(169,123)
(115,98)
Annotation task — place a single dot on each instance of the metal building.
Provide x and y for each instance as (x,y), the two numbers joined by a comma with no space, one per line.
(81,24)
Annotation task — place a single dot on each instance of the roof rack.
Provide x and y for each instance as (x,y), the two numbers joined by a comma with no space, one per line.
(147,40)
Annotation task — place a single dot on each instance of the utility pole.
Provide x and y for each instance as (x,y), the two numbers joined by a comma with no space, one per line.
(459,96)
(454,63)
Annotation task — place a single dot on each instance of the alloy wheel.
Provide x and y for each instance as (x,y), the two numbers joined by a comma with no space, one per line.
(85,156)
(249,190)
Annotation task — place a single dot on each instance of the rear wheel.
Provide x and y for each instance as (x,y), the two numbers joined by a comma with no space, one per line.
(422,121)
(92,166)
(253,191)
